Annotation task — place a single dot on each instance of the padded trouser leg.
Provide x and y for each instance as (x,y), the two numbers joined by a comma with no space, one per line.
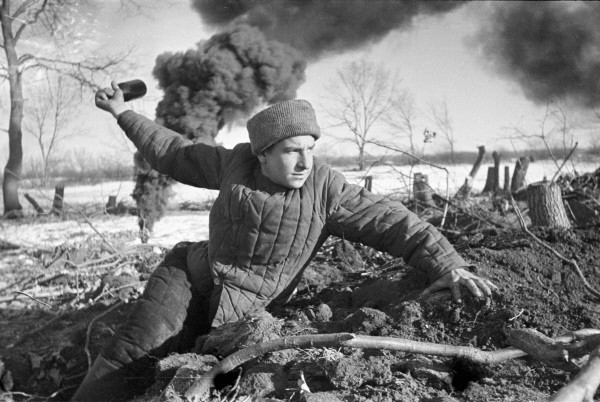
(169,316)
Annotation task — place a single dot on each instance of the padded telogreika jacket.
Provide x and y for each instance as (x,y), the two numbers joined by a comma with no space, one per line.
(262,235)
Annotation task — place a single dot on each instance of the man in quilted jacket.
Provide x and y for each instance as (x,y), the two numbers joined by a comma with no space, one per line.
(276,207)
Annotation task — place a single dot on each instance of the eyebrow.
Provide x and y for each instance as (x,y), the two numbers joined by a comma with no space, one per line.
(295,148)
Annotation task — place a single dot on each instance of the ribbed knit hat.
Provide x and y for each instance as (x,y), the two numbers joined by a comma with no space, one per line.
(280,121)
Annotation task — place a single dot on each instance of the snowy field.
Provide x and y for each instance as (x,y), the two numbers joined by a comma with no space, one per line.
(87,218)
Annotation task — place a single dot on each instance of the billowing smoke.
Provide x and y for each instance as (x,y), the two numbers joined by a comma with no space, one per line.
(552,49)
(223,79)
(317,27)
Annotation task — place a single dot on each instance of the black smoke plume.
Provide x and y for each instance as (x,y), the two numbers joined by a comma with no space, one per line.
(224,78)
(552,49)
(317,27)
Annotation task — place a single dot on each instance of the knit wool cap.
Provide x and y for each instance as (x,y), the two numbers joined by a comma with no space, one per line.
(280,121)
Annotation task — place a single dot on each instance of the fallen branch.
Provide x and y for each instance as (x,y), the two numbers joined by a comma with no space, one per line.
(584,385)
(200,389)
(571,262)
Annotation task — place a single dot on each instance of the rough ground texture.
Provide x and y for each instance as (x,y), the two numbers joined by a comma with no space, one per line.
(347,288)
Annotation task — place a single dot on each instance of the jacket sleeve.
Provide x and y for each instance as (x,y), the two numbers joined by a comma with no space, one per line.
(195,164)
(358,215)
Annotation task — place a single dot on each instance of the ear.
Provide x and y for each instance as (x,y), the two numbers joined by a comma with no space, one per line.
(262,158)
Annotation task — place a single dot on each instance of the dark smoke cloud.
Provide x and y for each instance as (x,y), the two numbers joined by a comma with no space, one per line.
(223,79)
(316,27)
(551,48)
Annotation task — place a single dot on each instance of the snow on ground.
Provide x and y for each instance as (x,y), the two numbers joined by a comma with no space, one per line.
(180,225)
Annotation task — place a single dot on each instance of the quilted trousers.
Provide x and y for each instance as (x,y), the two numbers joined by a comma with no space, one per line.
(168,317)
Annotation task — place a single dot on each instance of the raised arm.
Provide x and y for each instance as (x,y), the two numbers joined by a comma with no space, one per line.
(199,165)
(358,215)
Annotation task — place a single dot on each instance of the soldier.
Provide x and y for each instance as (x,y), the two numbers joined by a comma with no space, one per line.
(276,206)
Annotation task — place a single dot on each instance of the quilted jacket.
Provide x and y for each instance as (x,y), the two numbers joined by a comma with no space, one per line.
(262,236)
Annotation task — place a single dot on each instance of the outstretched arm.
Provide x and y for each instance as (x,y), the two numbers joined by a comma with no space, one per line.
(358,215)
(168,152)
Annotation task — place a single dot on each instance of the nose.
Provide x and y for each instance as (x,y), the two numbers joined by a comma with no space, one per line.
(305,160)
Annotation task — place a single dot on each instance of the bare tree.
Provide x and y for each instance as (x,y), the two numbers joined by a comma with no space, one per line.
(49,114)
(56,26)
(440,116)
(404,119)
(363,95)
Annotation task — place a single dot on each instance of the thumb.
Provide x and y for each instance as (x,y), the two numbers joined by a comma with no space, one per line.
(115,86)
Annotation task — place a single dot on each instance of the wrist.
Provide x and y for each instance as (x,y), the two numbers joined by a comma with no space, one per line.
(118,110)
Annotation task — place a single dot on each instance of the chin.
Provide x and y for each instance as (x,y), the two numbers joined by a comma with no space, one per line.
(295,184)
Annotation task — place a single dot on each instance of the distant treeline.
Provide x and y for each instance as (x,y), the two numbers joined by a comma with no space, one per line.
(460,157)
(96,170)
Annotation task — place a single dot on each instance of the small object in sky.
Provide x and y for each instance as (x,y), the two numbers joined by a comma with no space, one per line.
(429,135)
(132,89)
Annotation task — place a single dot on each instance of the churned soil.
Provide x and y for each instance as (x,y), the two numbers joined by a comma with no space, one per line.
(352,288)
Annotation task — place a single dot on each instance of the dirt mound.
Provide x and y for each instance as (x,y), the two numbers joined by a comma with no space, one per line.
(352,288)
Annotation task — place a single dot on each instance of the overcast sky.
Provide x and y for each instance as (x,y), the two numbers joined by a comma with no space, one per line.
(433,56)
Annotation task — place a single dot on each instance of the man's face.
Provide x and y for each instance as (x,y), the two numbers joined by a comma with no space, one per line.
(289,162)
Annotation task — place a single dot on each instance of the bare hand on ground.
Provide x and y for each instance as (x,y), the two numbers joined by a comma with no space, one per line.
(454,279)
(111,100)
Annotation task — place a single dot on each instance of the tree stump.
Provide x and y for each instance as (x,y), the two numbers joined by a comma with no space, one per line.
(465,190)
(111,205)
(369,182)
(34,204)
(57,203)
(506,187)
(518,179)
(496,183)
(489,181)
(422,191)
(546,207)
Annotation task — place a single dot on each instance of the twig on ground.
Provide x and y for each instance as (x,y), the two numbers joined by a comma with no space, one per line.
(570,262)
(86,347)
(464,211)
(200,389)
(109,291)
(33,298)
(96,261)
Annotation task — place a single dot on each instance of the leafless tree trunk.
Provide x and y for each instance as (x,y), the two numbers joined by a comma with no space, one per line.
(546,207)
(13,168)
(48,16)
